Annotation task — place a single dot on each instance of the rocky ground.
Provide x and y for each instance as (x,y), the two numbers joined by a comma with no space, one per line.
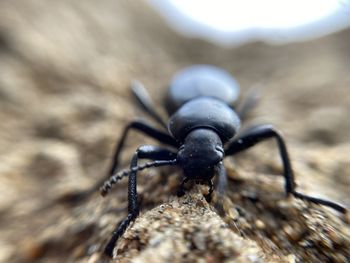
(64,100)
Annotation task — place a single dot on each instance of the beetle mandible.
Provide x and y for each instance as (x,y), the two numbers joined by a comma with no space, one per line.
(203,129)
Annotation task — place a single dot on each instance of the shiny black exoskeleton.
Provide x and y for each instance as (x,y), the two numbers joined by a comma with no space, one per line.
(203,129)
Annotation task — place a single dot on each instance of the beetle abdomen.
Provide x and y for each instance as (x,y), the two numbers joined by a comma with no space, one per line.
(201,80)
(204,112)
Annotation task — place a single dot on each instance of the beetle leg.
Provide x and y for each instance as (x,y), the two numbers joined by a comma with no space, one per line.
(138,125)
(249,102)
(211,189)
(222,182)
(260,133)
(181,190)
(143,127)
(143,152)
(145,101)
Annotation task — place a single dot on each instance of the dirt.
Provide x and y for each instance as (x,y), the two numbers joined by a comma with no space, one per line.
(65,98)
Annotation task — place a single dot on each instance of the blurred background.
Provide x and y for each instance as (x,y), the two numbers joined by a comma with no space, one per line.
(65,69)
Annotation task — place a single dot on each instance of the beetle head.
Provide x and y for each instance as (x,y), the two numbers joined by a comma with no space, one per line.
(200,153)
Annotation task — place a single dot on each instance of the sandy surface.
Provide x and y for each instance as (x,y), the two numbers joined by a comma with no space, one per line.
(64,99)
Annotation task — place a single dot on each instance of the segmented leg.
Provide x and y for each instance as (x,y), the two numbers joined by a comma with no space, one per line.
(211,189)
(137,125)
(222,181)
(181,190)
(145,128)
(145,101)
(144,152)
(249,102)
(264,132)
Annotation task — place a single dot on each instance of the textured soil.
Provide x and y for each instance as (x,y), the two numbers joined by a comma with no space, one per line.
(65,69)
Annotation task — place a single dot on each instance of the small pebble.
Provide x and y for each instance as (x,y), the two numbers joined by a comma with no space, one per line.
(260,224)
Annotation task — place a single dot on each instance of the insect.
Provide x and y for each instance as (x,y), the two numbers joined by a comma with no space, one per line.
(203,130)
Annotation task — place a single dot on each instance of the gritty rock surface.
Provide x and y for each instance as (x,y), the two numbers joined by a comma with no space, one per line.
(65,69)
(184,230)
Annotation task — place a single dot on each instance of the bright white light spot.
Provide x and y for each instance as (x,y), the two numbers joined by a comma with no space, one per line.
(222,20)
(230,15)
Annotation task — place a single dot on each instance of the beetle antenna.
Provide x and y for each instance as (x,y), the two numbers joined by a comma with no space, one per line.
(107,186)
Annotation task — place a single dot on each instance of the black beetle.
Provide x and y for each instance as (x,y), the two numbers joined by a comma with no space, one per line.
(203,127)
